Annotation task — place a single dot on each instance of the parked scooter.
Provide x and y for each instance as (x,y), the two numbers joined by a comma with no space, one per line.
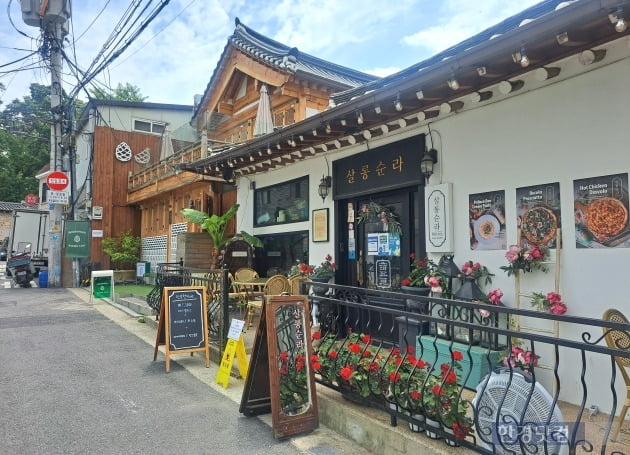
(21,270)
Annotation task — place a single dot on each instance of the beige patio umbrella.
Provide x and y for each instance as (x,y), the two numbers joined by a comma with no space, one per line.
(264,120)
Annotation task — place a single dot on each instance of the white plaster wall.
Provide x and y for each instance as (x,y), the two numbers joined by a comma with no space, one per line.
(120,118)
(576,128)
(570,130)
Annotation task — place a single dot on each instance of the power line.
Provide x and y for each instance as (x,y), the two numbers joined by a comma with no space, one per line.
(11,20)
(91,23)
(18,60)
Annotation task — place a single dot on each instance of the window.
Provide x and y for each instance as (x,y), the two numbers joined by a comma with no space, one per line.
(281,252)
(149,126)
(283,203)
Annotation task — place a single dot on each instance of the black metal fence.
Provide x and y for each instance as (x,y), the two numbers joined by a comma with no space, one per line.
(461,371)
(467,373)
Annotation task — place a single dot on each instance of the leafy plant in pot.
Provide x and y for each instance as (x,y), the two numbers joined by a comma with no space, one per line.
(320,274)
(424,277)
(215,226)
(124,252)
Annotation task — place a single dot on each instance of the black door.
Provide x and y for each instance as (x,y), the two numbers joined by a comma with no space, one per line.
(375,254)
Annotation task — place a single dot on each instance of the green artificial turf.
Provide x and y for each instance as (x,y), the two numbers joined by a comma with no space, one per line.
(137,290)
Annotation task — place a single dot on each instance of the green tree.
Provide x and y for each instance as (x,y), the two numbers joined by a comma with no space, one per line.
(127,92)
(123,250)
(215,226)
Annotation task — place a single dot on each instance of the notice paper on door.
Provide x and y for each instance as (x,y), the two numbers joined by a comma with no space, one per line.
(372,244)
(383,244)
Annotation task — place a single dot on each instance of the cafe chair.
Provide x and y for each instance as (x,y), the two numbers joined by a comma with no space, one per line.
(619,339)
(295,284)
(276,285)
(245,274)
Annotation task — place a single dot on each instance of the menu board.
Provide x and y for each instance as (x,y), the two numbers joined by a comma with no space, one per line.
(383,273)
(538,214)
(601,212)
(185,314)
(487,220)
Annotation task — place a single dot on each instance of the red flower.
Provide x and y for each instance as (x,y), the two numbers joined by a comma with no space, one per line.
(374,367)
(394,377)
(316,335)
(460,430)
(412,256)
(284,356)
(414,395)
(366,354)
(366,339)
(457,355)
(332,354)
(421,363)
(437,390)
(346,373)
(316,365)
(411,349)
(395,352)
(283,371)
(354,348)
(405,282)
(314,358)
(451,378)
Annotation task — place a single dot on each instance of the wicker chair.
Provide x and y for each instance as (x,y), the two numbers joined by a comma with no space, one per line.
(619,339)
(295,284)
(245,274)
(276,285)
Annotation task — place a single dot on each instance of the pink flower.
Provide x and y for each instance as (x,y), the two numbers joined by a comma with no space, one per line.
(514,249)
(511,256)
(553,297)
(484,313)
(433,282)
(535,251)
(558,308)
(528,256)
(476,266)
(495,296)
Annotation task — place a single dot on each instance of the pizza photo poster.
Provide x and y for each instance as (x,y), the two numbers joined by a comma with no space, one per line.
(538,214)
(487,220)
(601,212)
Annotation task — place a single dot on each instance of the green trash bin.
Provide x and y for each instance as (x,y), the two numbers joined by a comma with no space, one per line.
(102,287)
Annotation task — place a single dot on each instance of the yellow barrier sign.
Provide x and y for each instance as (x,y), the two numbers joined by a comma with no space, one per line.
(235,348)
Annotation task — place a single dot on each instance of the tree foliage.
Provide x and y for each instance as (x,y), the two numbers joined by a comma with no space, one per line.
(127,92)
(24,143)
(123,250)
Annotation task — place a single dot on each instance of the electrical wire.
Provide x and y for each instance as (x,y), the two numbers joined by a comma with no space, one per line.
(159,31)
(91,23)
(19,59)
(11,21)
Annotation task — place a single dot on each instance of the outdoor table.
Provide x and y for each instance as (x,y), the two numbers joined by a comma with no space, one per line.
(252,287)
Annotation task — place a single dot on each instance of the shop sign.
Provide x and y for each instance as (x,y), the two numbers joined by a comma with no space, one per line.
(383,168)
(438,218)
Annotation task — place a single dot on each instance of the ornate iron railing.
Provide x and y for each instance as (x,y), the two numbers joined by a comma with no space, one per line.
(475,381)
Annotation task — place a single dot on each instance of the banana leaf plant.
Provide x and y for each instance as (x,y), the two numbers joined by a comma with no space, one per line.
(215,226)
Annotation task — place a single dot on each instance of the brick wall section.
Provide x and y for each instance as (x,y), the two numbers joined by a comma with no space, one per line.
(5,224)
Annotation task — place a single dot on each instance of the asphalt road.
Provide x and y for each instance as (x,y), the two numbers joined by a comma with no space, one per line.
(74,382)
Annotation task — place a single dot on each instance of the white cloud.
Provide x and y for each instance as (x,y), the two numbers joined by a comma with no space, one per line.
(460,19)
(382,72)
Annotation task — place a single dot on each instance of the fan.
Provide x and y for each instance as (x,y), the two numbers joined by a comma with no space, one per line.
(507,396)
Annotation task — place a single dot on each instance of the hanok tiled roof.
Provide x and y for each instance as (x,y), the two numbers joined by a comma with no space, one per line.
(286,59)
(523,18)
(10,206)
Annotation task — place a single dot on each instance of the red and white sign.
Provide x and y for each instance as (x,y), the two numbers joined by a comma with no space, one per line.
(57,181)
(31,199)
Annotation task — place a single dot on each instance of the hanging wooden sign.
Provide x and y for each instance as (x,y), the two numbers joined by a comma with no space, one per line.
(283,345)
(183,323)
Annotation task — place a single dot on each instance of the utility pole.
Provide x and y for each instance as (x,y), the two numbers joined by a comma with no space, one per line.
(52,16)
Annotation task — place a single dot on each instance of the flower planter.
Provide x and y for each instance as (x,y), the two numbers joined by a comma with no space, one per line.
(429,426)
(417,425)
(319,290)
(450,440)
(415,305)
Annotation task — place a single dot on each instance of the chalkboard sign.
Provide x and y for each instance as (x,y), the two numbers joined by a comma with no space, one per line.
(383,274)
(183,322)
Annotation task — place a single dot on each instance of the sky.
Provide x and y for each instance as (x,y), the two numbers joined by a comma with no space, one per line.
(175,56)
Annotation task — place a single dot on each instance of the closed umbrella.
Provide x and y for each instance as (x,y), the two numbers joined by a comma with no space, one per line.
(264,121)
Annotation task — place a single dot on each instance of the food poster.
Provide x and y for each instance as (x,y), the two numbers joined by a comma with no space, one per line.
(487,220)
(538,214)
(601,212)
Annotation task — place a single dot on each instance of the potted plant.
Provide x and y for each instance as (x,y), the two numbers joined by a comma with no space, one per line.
(124,252)
(215,226)
(424,277)
(320,274)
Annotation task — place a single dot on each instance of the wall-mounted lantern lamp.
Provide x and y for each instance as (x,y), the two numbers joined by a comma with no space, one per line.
(324,187)
(429,158)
